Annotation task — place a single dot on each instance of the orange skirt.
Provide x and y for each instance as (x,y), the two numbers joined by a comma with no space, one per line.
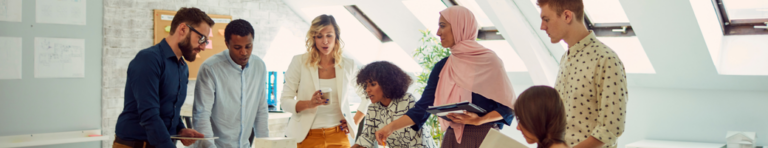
(332,137)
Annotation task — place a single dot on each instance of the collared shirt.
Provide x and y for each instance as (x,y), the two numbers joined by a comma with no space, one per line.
(230,101)
(593,87)
(419,113)
(379,116)
(154,93)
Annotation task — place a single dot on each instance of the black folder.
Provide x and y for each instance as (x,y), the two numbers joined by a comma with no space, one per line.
(455,107)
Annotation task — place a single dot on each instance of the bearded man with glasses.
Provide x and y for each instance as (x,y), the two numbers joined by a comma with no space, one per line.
(156,86)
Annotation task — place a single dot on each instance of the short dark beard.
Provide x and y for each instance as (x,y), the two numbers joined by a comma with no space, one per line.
(186,49)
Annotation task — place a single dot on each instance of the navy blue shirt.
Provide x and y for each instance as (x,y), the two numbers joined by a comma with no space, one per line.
(419,113)
(154,92)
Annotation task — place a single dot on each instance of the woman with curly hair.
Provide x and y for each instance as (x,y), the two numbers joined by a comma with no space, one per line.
(386,85)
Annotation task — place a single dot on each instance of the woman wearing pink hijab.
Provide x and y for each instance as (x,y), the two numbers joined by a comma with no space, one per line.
(472,73)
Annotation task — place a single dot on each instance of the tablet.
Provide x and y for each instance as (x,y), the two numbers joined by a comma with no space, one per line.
(192,138)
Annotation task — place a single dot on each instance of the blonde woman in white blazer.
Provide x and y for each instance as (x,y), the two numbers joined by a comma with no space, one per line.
(317,122)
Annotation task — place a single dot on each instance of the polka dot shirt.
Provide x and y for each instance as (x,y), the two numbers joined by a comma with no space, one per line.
(593,87)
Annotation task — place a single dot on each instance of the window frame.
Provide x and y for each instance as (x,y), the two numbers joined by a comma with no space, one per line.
(372,27)
(738,26)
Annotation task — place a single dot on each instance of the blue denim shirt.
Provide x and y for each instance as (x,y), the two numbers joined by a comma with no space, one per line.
(419,113)
(154,92)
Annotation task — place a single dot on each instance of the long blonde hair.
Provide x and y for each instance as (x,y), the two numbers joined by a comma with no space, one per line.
(318,24)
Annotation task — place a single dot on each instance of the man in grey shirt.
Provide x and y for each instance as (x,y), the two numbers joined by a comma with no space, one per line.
(230,93)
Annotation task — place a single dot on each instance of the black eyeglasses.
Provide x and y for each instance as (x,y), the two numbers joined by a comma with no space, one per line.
(203,39)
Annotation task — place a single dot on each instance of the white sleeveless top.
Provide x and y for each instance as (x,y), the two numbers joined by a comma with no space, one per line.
(328,115)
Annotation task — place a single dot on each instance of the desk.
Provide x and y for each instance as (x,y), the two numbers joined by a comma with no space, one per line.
(672,144)
(50,138)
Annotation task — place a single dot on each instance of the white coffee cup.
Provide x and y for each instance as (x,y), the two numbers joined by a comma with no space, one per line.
(326,93)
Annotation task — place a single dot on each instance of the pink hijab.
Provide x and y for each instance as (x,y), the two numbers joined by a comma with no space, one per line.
(470,68)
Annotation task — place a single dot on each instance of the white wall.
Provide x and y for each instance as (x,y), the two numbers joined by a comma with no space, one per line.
(685,115)
(694,115)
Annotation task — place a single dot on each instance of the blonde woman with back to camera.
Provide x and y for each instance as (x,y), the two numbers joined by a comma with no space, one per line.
(317,90)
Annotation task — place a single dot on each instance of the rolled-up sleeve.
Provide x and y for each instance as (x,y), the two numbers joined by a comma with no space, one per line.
(506,113)
(146,87)
(613,102)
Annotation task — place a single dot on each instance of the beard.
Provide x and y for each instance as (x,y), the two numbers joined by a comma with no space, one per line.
(186,49)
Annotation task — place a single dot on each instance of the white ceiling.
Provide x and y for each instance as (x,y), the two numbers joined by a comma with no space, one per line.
(678,38)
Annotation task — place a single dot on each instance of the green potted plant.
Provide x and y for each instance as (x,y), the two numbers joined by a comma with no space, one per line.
(430,52)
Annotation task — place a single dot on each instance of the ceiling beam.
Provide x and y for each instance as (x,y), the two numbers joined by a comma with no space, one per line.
(367,23)
(672,50)
(401,25)
(514,26)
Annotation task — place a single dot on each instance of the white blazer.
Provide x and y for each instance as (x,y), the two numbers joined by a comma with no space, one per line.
(302,81)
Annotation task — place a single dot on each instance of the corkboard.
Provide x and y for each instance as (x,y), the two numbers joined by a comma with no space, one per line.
(162,18)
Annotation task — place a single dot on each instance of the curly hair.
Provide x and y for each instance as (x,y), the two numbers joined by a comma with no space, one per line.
(392,80)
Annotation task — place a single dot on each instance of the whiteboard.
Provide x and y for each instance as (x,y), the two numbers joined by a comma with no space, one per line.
(59,58)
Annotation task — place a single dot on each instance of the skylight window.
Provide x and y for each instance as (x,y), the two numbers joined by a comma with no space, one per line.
(358,40)
(604,17)
(482,18)
(427,12)
(605,11)
(743,17)
(746,9)
(512,62)
(631,53)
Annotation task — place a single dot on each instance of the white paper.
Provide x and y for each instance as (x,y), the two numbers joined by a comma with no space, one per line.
(166,17)
(10,10)
(496,139)
(220,20)
(59,58)
(60,11)
(10,58)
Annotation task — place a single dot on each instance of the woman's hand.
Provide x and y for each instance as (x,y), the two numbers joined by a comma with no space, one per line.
(382,134)
(344,126)
(466,118)
(317,99)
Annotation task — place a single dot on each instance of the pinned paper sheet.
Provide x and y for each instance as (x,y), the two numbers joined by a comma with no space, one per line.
(221,32)
(210,45)
(210,34)
(60,12)
(10,57)
(59,58)
(10,10)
